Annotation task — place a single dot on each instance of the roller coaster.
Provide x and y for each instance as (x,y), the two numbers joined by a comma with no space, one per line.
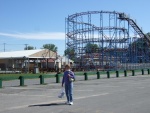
(106,40)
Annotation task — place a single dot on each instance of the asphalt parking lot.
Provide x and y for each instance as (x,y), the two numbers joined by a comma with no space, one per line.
(114,95)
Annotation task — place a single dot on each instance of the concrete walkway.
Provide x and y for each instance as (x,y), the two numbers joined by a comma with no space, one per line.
(114,95)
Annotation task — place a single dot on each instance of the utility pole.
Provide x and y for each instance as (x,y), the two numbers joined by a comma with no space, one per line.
(4,47)
(26,46)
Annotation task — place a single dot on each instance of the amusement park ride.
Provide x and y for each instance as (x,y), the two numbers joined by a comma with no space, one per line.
(106,40)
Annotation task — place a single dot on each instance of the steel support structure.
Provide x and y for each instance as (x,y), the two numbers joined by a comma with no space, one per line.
(105,40)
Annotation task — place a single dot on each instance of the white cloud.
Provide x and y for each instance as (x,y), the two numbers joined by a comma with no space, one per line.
(37,36)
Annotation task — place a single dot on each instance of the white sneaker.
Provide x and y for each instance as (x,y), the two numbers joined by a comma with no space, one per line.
(71,103)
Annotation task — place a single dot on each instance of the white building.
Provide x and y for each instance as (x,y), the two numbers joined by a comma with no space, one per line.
(43,59)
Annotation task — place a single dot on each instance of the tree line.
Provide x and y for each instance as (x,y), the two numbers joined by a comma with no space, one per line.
(51,47)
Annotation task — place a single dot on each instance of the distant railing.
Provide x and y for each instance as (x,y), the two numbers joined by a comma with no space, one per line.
(85,75)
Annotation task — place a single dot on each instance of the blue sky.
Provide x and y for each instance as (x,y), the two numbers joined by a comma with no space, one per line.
(38,22)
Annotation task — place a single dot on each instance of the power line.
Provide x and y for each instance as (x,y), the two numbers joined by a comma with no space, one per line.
(4,45)
(11,44)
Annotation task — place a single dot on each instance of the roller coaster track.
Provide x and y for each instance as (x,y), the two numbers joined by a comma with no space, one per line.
(122,16)
(135,27)
(70,34)
(96,40)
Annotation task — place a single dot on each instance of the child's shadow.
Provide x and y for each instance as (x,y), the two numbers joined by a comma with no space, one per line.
(51,104)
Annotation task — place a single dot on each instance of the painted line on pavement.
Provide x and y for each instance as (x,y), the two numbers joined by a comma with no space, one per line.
(63,100)
(91,96)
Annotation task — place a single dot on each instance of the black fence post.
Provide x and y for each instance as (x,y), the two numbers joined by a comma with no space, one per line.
(108,74)
(125,73)
(133,73)
(98,75)
(148,71)
(57,78)
(117,73)
(142,71)
(85,76)
(21,80)
(0,83)
(41,79)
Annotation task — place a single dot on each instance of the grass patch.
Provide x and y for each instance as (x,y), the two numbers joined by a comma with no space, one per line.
(7,77)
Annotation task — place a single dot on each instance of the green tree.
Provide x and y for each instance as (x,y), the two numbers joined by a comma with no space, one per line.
(29,48)
(91,48)
(148,34)
(51,47)
(70,52)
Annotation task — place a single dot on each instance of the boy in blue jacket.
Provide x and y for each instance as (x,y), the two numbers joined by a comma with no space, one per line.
(67,80)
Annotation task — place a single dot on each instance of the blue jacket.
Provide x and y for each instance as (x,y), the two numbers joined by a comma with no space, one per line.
(66,77)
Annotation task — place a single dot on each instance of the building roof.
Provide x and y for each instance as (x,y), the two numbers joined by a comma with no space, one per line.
(37,53)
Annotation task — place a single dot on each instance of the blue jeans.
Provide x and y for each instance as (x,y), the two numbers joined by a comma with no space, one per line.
(69,91)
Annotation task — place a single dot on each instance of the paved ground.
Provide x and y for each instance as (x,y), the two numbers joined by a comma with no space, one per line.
(114,95)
